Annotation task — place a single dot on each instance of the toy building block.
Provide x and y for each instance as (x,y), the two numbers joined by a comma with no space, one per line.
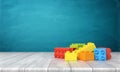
(82,56)
(84,48)
(86,55)
(60,52)
(70,56)
(90,56)
(100,54)
(80,50)
(90,46)
(76,45)
(108,53)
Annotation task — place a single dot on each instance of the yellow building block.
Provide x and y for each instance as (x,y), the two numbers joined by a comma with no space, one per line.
(80,49)
(85,48)
(88,47)
(70,56)
(91,46)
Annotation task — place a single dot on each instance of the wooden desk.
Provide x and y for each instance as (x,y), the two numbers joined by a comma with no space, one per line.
(45,62)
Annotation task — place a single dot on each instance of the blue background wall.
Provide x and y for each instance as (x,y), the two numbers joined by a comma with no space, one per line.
(0,25)
(119,24)
(41,25)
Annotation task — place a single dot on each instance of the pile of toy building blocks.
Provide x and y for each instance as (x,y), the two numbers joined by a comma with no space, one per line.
(81,51)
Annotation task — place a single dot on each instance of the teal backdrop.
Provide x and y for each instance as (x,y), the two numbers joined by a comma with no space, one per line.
(119,24)
(42,25)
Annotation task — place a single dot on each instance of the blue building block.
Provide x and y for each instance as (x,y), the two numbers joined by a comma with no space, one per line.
(100,54)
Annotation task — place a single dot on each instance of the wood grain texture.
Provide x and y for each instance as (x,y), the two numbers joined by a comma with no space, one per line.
(45,62)
(80,66)
(116,64)
(101,66)
(115,61)
(58,65)
(40,62)
(14,63)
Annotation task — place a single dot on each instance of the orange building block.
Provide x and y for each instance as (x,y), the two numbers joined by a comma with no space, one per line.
(86,55)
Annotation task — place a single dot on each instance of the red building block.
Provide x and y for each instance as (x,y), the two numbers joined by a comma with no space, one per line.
(60,52)
(108,53)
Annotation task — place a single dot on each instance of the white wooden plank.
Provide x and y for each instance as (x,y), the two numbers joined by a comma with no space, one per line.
(11,59)
(16,65)
(101,66)
(59,65)
(80,66)
(44,61)
(8,55)
(115,64)
(9,65)
(22,65)
(41,62)
(115,61)
(115,56)
(4,54)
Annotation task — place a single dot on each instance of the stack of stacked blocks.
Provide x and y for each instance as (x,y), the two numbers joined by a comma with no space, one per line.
(82,51)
